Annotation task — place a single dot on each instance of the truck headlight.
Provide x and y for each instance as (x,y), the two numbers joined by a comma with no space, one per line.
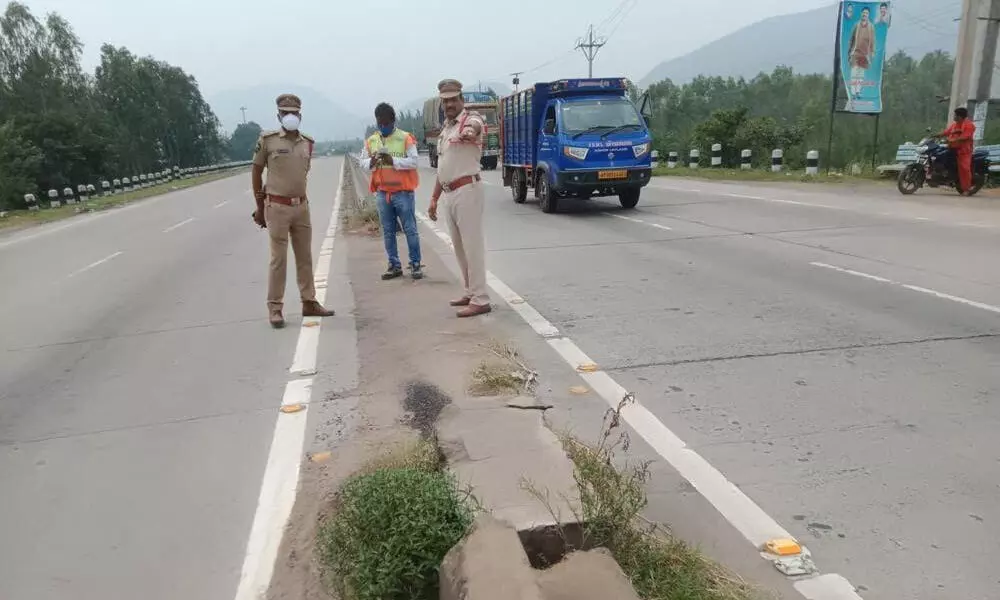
(640,149)
(577,153)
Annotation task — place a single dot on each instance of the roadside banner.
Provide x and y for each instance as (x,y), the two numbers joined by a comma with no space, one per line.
(863,28)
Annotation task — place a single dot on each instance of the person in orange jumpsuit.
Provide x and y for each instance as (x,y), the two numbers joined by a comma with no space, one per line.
(959,135)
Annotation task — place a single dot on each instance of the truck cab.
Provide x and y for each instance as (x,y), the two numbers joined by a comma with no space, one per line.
(575,138)
(483,103)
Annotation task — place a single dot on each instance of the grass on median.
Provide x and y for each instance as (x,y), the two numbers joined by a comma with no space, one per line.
(25,218)
(504,374)
(612,499)
(393,524)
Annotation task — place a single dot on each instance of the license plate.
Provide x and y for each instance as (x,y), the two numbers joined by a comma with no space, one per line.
(617,174)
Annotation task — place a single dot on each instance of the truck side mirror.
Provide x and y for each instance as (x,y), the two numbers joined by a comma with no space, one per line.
(550,126)
(645,108)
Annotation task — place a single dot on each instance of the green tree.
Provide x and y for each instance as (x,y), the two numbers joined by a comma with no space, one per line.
(243,141)
(20,167)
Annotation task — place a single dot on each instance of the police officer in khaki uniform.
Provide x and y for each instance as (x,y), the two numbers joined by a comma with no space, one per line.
(459,184)
(283,208)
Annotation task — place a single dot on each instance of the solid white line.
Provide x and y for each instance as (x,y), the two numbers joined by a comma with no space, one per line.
(277,493)
(95,264)
(746,196)
(827,587)
(221,204)
(914,288)
(47,230)
(177,225)
(281,475)
(742,513)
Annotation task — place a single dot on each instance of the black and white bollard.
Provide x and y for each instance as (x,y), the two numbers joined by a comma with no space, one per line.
(672,160)
(812,162)
(91,191)
(777,160)
(746,159)
(654,158)
(143,181)
(716,155)
(54,199)
(116,186)
(68,196)
(31,202)
(126,184)
(152,179)
(105,188)
(177,172)
(81,191)
(695,157)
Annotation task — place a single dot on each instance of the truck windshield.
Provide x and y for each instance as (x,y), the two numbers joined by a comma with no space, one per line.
(593,115)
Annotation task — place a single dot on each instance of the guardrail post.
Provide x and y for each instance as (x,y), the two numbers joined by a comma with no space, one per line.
(54,199)
(143,181)
(116,186)
(716,155)
(68,196)
(30,200)
(694,158)
(671,160)
(127,184)
(777,160)
(654,158)
(746,159)
(81,191)
(812,162)
(91,191)
(105,188)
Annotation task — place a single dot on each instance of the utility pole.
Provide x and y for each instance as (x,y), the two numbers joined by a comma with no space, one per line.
(964,56)
(517,79)
(987,63)
(590,45)
(243,109)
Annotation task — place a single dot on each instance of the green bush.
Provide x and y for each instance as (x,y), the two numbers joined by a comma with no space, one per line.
(391,530)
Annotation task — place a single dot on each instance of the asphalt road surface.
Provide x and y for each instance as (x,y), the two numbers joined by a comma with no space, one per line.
(834,352)
(139,389)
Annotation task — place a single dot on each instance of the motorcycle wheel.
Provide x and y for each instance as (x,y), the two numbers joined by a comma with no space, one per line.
(910,179)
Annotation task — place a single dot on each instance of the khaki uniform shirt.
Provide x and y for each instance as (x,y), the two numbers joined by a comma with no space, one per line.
(287,157)
(455,159)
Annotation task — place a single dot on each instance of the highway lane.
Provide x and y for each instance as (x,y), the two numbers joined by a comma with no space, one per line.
(138,395)
(834,354)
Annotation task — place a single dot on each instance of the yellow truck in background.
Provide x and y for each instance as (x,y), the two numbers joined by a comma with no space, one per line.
(481,102)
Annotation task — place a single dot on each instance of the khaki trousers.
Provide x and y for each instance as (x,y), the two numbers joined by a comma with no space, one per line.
(464,211)
(293,222)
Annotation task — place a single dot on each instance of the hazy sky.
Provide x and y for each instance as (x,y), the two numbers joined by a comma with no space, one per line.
(359,54)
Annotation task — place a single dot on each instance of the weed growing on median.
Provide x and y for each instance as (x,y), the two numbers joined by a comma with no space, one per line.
(612,499)
(394,523)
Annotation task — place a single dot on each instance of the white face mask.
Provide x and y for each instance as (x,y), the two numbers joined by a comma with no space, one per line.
(290,122)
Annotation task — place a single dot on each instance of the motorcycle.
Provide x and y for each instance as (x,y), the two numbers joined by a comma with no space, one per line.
(935,167)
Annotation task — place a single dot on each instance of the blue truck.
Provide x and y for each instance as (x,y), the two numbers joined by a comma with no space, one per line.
(575,138)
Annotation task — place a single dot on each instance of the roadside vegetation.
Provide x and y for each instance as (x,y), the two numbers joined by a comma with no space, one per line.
(612,499)
(392,525)
(761,175)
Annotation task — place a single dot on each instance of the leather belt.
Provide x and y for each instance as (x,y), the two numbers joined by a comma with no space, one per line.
(451,186)
(286,200)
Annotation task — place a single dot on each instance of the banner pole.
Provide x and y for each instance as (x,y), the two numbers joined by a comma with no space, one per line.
(878,116)
(836,84)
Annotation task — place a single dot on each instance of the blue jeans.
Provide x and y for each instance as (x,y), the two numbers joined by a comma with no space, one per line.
(403,207)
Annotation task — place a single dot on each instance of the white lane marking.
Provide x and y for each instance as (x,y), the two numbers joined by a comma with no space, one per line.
(47,230)
(221,204)
(739,510)
(277,493)
(914,288)
(826,587)
(749,197)
(640,221)
(178,225)
(281,475)
(922,218)
(96,263)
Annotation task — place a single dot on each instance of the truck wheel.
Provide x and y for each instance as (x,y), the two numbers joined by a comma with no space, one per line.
(546,196)
(518,186)
(629,197)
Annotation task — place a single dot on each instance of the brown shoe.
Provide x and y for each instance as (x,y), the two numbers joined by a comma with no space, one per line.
(461,302)
(276,319)
(315,309)
(474,310)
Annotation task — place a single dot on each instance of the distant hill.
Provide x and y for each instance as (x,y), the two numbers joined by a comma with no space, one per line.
(805,42)
(322,118)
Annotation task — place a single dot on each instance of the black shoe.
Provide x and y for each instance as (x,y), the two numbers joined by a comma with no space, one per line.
(416,271)
(392,273)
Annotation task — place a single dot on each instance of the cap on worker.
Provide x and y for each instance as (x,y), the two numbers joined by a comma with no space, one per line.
(450,88)
(289,103)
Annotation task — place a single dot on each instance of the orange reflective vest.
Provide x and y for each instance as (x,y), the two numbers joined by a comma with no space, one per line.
(384,177)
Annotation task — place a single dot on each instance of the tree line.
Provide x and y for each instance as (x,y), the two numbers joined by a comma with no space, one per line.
(61,126)
(791,111)
(411,121)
